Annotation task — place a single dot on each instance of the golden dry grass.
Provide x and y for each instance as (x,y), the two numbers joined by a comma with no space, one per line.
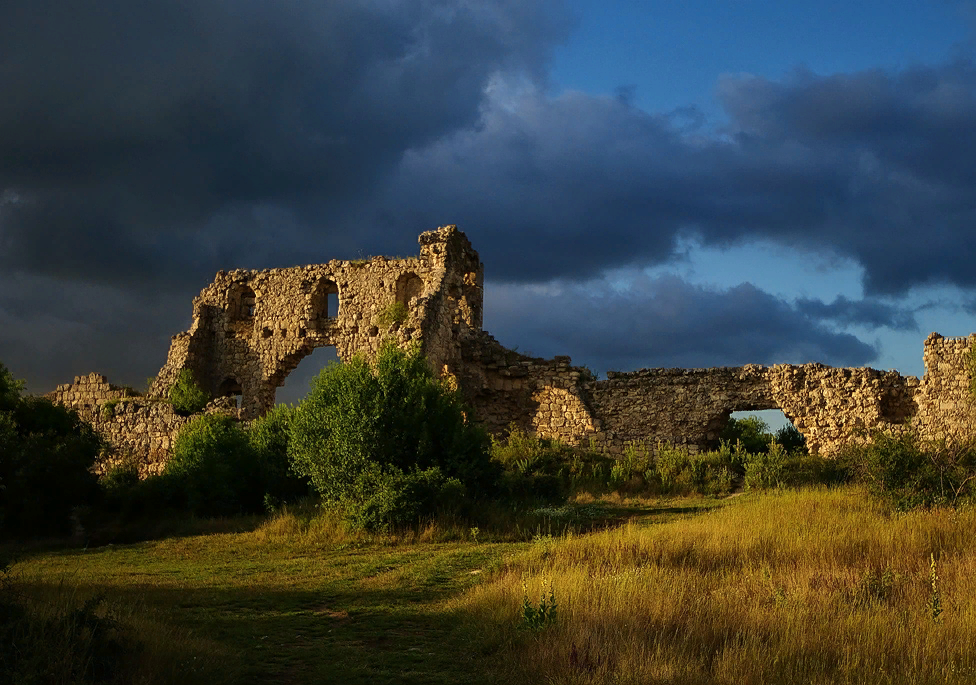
(790,587)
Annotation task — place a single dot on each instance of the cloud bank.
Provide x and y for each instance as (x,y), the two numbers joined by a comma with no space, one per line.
(144,146)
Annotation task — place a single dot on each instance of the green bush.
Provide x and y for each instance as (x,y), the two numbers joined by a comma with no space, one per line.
(545,471)
(46,456)
(389,499)
(268,436)
(755,437)
(395,314)
(911,473)
(215,469)
(365,422)
(186,395)
(765,469)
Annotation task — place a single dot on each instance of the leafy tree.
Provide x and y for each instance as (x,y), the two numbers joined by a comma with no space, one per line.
(215,468)
(46,455)
(268,436)
(751,431)
(791,439)
(365,427)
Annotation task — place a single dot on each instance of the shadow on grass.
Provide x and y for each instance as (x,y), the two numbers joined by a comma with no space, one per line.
(339,633)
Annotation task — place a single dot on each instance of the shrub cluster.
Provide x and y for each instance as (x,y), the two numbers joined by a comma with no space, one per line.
(388,441)
(186,395)
(46,455)
(216,468)
(911,473)
(547,470)
(755,437)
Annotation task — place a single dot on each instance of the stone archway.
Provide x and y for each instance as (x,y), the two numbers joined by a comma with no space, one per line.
(408,286)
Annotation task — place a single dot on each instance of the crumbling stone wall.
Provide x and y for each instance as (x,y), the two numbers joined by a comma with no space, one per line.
(685,407)
(251,329)
(138,430)
(946,408)
(505,388)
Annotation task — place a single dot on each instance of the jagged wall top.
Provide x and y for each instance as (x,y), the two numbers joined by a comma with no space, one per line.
(251,328)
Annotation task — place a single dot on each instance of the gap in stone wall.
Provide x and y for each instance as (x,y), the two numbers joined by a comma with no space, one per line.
(774,418)
(297,383)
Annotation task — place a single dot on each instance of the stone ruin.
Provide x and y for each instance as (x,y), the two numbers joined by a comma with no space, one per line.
(251,329)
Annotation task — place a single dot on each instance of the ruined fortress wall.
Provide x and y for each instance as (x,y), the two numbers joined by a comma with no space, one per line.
(137,430)
(689,407)
(540,396)
(251,328)
(836,406)
(946,408)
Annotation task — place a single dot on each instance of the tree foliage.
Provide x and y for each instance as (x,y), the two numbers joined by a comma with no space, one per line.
(46,455)
(367,427)
(215,468)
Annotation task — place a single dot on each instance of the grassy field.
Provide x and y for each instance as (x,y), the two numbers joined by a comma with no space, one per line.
(813,586)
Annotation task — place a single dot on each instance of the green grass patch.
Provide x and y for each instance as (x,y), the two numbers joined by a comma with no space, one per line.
(304,598)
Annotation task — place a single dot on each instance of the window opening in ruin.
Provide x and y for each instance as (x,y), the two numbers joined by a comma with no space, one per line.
(231,388)
(241,302)
(408,286)
(297,383)
(325,301)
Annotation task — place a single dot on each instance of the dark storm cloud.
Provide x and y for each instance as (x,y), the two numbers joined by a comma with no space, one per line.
(125,128)
(145,145)
(51,331)
(875,166)
(664,322)
(869,313)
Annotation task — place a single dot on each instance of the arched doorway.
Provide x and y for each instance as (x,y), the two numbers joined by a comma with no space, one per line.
(230,387)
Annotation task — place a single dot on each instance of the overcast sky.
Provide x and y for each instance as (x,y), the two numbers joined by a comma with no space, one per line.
(692,183)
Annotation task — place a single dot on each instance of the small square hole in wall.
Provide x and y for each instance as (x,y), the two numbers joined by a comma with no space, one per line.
(284,332)
(266,333)
(301,332)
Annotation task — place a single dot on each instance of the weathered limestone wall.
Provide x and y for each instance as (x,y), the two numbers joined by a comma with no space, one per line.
(251,328)
(137,429)
(545,397)
(946,410)
(686,407)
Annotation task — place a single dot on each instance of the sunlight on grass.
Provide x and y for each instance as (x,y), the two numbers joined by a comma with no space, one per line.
(804,586)
(811,586)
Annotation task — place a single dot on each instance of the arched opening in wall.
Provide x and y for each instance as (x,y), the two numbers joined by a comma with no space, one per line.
(325,303)
(298,382)
(756,428)
(231,388)
(241,302)
(408,286)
